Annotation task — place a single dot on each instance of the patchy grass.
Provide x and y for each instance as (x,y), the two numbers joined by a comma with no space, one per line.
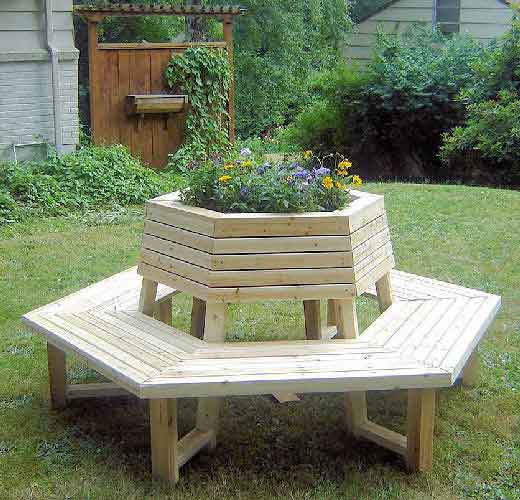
(99,449)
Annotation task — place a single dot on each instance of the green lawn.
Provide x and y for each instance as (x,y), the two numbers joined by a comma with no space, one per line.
(99,449)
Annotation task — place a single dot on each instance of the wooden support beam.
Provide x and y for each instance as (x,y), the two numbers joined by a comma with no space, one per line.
(346,318)
(355,411)
(311,309)
(198,314)
(101,390)
(147,297)
(209,408)
(163,311)
(384,292)
(471,371)
(93,75)
(383,437)
(228,38)
(57,366)
(164,439)
(421,417)
(191,444)
(331,312)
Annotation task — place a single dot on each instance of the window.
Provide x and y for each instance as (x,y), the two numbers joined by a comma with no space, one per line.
(447,15)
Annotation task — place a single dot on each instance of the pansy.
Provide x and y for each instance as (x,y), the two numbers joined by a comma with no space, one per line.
(307,154)
(223,179)
(356,180)
(322,171)
(245,152)
(327,182)
(247,163)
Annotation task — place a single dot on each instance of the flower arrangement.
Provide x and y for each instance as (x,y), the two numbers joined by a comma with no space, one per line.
(309,183)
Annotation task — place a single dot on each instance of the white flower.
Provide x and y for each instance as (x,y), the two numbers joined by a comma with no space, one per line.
(245,152)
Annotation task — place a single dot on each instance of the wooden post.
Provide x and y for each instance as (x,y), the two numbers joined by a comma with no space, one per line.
(384,292)
(421,416)
(198,314)
(228,38)
(311,309)
(331,312)
(93,76)
(164,311)
(214,331)
(471,371)
(164,438)
(56,361)
(147,297)
(355,402)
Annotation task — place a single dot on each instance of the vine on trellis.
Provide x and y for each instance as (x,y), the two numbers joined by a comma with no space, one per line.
(203,74)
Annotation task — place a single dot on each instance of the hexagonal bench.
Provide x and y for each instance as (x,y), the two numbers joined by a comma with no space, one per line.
(421,341)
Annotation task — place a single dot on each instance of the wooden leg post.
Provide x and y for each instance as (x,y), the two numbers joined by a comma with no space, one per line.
(331,312)
(147,297)
(164,311)
(198,314)
(384,292)
(209,408)
(164,439)
(471,371)
(421,416)
(311,309)
(355,402)
(57,376)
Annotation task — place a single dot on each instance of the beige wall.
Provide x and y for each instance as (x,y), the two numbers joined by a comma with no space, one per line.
(22,25)
(484,19)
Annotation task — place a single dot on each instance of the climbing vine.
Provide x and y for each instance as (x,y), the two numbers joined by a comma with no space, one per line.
(203,75)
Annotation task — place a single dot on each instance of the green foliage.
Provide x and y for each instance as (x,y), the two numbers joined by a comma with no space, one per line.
(400,105)
(278,46)
(245,184)
(202,74)
(91,177)
(489,140)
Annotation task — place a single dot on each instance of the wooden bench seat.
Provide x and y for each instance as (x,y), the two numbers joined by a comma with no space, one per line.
(422,341)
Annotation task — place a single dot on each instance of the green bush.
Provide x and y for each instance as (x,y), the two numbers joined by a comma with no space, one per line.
(488,145)
(91,177)
(248,184)
(399,106)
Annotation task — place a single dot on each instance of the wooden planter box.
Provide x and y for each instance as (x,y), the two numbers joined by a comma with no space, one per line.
(155,104)
(247,257)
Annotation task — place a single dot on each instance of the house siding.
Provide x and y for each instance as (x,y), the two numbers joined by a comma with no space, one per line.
(484,19)
(26,100)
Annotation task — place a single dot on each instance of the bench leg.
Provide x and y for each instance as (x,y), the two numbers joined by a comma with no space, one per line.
(331,312)
(471,371)
(384,292)
(164,439)
(421,416)
(198,314)
(355,402)
(57,376)
(209,408)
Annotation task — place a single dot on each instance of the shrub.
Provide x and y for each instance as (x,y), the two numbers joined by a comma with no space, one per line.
(488,145)
(400,105)
(246,185)
(90,177)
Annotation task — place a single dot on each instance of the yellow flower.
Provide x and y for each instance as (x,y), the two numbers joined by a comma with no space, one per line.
(247,163)
(229,165)
(344,165)
(340,185)
(307,154)
(342,173)
(356,180)
(223,179)
(327,182)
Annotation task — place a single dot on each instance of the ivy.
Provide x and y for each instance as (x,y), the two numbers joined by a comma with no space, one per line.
(203,75)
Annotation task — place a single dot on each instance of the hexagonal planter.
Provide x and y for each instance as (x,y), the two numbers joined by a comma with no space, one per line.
(239,257)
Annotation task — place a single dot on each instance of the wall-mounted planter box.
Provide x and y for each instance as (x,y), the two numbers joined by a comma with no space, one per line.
(240,257)
(153,104)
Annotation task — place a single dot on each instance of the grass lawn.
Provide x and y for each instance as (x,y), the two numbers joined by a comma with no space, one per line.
(99,449)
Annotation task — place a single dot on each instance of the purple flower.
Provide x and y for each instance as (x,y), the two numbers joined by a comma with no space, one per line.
(243,192)
(301,174)
(321,171)
(245,152)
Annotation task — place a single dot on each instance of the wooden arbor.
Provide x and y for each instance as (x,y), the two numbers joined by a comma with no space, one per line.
(119,72)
